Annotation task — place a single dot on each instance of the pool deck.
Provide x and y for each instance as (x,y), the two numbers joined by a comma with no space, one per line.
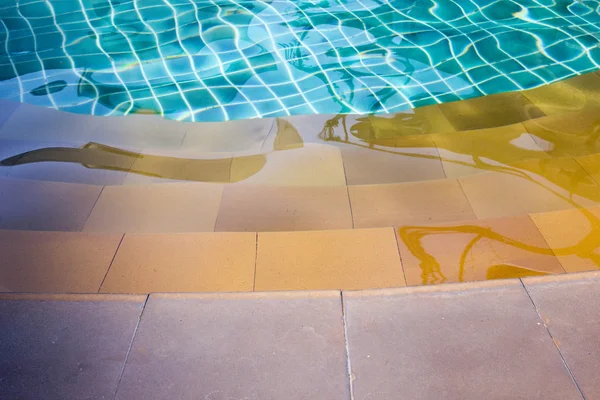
(534,338)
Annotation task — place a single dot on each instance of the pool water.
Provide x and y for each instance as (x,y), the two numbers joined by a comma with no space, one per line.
(216,60)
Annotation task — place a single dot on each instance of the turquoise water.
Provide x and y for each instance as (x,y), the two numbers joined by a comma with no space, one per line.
(214,60)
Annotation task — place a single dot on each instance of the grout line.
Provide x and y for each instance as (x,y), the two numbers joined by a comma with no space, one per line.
(553,340)
(467,198)
(586,171)
(348,363)
(131,345)
(268,134)
(347,190)
(92,209)
(547,244)
(437,150)
(219,209)
(111,262)
(255,262)
(400,255)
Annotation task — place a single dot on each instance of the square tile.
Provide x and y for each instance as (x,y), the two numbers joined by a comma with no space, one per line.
(346,259)
(45,206)
(475,250)
(268,208)
(573,94)
(60,262)
(7,108)
(177,207)
(257,346)
(404,161)
(452,343)
(476,151)
(569,307)
(408,203)
(65,347)
(573,235)
(530,186)
(230,136)
(490,111)
(591,165)
(568,134)
(198,262)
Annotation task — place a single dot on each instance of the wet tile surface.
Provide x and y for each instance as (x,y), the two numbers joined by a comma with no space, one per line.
(474,251)
(573,94)
(348,259)
(408,203)
(65,347)
(200,262)
(229,346)
(452,344)
(569,307)
(230,136)
(7,108)
(267,208)
(573,235)
(54,206)
(156,208)
(54,262)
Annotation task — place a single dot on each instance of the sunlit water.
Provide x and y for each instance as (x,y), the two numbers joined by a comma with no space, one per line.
(214,60)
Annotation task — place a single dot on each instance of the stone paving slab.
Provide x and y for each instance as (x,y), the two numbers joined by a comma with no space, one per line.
(444,342)
(64,346)
(569,306)
(249,346)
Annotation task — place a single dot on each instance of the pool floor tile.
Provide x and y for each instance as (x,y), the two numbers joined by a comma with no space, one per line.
(7,108)
(58,262)
(573,235)
(159,208)
(65,347)
(529,187)
(254,346)
(490,111)
(187,262)
(452,344)
(573,94)
(268,208)
(345,259)
(569,306)
(47,206)
(409,203)
(475,250)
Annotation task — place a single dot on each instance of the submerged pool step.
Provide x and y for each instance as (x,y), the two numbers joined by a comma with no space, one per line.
(409,254)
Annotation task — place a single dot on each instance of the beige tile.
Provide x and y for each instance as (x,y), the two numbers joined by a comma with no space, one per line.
(156,208)
(198,262)
(573,94)
(229,136)
(567,134)
(475,250)
(573,235)
(490,111)
(405,162)
(45,206)
(407,203)
(64,262)
(476,151)
(311,165)
(344,259)
(267,208)
(531,186)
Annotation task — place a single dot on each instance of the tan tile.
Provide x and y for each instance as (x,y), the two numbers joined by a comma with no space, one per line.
(394,204)
(229,136)
(475,250)
(573,235)
(64,262)
(198,262)
(156,208)
(45,206)
(490,111)
(344,259)
(309,165)
(412,162)
(267,208)
(591,164)
(573,94)
(531,186)
(476,151)
(567,134)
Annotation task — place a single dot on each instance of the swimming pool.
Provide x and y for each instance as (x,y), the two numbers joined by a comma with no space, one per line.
(216,60)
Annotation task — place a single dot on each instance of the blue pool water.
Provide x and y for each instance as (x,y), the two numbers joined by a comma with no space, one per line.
(214,60)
